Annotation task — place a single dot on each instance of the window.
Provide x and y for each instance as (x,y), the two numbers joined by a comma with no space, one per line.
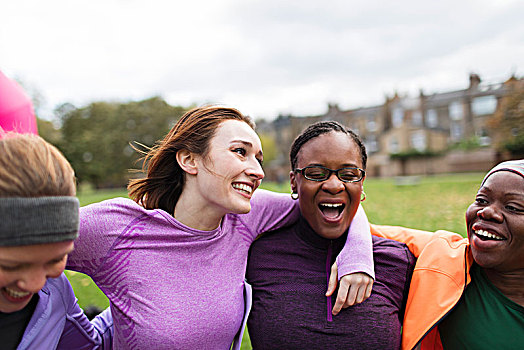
(456,131)
(394,146)
(371,144)
(456,111)
(431,118)
(418,140)
(371,125)
(484,105)
(397,117)
(416,118)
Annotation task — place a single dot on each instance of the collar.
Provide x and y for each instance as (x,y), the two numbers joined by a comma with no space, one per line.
(310,237)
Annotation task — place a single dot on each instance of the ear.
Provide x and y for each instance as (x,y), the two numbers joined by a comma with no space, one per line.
(293,181)
(187,161)
(362,183)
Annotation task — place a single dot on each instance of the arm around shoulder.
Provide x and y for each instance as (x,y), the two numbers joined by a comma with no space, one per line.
(416,240)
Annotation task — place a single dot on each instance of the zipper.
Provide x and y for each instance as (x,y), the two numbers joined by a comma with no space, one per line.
(328,272)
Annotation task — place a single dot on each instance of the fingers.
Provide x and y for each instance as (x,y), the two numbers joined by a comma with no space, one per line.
(354,289)
(369,289)
(333,280)
(341,297)
(352,294)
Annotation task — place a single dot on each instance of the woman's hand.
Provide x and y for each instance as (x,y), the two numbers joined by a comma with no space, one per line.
(354,288)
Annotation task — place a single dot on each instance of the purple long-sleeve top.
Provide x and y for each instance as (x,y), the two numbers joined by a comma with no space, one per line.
(172,286)
(288,270)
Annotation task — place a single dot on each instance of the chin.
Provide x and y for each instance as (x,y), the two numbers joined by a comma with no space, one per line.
(10,308)
(244,209)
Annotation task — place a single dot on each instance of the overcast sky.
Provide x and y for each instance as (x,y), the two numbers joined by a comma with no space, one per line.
(264,57)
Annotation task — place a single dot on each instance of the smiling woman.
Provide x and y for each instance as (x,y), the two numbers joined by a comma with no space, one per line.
(471,290)
(172,260)
(291,266)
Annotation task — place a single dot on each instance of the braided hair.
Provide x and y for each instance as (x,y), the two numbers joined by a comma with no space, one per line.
(323,127)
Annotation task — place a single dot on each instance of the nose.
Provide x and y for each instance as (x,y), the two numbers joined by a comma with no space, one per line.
(255,170)
(33,280)
(490,213)
(333,185)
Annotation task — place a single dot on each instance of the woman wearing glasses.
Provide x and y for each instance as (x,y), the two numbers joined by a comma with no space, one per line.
(289,268)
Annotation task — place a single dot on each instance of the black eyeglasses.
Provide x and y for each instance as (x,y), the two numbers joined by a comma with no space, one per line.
(320,173)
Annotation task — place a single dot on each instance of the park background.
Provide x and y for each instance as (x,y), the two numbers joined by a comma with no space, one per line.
(434,89)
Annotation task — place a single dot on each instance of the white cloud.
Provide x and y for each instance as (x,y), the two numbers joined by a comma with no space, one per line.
(265,57)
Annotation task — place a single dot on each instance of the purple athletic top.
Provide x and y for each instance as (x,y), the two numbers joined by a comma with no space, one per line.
(59,323)
(288,270)
(171,286)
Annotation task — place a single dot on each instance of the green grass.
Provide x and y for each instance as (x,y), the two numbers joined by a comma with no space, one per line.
(437,202)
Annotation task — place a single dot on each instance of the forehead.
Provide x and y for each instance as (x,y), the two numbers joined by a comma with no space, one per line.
(235,130)
(333,148)
(504,182)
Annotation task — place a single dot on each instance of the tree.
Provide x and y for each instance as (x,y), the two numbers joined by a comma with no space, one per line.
(269,146)
(96,139)
(48,131)
(508,120)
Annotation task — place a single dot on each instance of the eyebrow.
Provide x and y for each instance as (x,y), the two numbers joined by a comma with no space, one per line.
(515,194)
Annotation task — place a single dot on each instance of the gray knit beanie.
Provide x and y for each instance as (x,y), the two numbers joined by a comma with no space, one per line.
(37,220)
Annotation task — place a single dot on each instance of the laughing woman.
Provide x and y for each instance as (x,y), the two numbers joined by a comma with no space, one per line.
(172,262)
(289,267)
(468,293)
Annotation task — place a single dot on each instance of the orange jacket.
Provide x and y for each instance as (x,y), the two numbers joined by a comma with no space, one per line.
(440,277)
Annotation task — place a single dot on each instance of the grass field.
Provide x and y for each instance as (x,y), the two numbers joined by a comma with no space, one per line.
(427,203)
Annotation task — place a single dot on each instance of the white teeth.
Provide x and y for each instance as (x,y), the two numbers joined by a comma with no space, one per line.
(15,294)
(331,205)
(486,234)
(243,187)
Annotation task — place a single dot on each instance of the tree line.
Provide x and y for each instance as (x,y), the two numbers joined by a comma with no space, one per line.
(99,139)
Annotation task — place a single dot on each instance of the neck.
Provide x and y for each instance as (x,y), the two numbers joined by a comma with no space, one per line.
(196,214)
(509,283)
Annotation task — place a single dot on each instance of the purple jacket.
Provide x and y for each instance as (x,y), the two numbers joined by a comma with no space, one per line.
(59,323)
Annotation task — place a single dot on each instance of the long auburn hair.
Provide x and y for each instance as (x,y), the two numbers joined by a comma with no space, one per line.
(165,179)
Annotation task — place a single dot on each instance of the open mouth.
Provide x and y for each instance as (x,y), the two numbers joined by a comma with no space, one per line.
(331,210)
(488,236)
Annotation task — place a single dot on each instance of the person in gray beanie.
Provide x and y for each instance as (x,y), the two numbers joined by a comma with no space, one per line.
(38,226)
(468,293)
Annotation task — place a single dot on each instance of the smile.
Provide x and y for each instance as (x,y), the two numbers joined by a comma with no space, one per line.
(331,210)
(485,235)
(243,187)
(15,294)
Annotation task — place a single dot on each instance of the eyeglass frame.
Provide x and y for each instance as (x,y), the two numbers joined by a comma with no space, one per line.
(331,171)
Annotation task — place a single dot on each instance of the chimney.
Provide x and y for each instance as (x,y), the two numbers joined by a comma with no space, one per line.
(474,81)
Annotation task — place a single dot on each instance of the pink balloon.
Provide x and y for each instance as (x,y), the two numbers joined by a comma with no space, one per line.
(16,108)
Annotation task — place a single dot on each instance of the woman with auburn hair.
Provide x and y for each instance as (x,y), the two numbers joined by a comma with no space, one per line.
(172,262)
(468,293)
(38,225)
